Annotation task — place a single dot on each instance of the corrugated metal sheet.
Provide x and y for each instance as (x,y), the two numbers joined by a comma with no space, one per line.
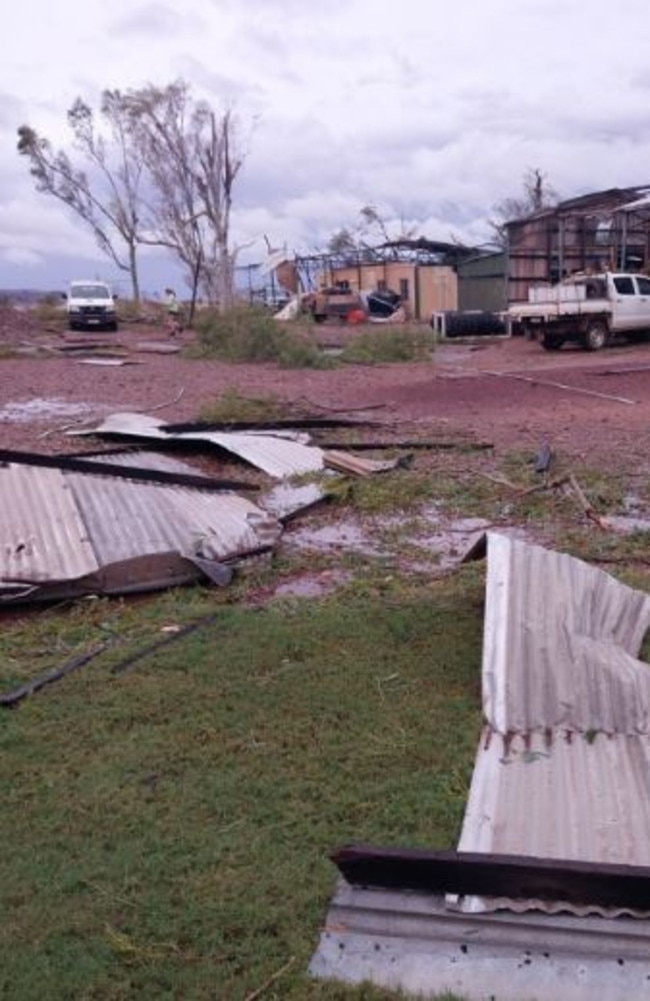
(42,532)
(560,644)
(279,454)
(71,527)
(562,771)
(558,794)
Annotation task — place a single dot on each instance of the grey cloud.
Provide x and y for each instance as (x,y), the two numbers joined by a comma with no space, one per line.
(12,111)
(224,89)
(154,19)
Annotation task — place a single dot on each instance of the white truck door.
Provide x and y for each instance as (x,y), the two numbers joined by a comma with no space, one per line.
(643,298)
(627,308)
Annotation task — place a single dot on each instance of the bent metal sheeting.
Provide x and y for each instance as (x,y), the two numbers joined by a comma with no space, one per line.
(67,533)
(279,454)
(563,767)
(562,772)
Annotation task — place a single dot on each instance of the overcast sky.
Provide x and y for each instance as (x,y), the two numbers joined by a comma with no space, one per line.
(431,111)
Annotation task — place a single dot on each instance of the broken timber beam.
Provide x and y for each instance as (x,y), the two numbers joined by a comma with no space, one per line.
(516,876)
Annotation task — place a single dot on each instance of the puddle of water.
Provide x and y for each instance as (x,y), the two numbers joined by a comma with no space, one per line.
(450,542)
(441,548)
(344,535)
(43,409)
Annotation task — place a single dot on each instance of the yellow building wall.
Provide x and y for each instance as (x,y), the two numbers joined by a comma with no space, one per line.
(432,288)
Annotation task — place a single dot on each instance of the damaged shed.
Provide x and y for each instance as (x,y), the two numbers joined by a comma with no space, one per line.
(603,230)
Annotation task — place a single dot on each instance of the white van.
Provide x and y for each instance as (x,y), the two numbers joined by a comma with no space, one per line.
(90,304)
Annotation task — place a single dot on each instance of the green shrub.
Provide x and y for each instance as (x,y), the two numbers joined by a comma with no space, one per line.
(250,334)
(232,406)
(390,344)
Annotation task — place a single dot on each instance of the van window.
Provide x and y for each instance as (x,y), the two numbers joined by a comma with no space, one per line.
(624,286)
(89,292)
(643,285)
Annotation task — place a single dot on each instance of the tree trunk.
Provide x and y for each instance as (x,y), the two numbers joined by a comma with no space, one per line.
(133,269)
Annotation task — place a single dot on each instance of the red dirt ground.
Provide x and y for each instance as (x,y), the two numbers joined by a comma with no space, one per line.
(593,407)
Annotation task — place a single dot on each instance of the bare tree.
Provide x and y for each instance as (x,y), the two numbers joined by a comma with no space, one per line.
(370,230)
(190,153)
(106,194)
(536,194)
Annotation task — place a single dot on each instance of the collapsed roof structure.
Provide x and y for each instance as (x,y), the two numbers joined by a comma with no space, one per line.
(126,522)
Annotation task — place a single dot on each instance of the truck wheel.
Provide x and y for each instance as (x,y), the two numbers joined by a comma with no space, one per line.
(552,342)
(596,336)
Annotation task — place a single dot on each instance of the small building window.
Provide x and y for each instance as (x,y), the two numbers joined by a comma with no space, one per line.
(404,289)
(604,232)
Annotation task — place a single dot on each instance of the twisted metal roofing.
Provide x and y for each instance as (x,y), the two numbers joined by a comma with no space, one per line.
(67,530)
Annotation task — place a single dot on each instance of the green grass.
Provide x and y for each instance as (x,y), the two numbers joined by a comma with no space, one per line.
(250,334)
(390,344)
(167,830)
(230,405)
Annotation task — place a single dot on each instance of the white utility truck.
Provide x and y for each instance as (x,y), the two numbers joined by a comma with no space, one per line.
(90,304)
(587,309)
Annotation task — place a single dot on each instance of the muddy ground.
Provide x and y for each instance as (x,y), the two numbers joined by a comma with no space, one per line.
(593,408)
(510,396)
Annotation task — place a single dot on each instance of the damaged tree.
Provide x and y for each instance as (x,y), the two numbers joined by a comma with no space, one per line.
(106,195)
(190,153)
(370,230)
(161,173)
(536,194)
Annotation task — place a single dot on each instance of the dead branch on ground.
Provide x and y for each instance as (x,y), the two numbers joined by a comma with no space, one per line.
(272,979)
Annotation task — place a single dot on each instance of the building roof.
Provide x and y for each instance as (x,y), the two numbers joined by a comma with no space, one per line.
(608,200)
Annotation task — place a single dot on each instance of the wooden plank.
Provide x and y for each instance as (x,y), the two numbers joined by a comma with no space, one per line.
(515,876)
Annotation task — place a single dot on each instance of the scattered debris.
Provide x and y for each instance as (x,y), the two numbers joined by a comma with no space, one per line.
(517,876)
(178,634)
(279,448)
(108,362)
(158,347)
(11,699)
(559,385)
(72,531)
(123,469)
(280,455)
(544,459)
(586,505)
(345,462)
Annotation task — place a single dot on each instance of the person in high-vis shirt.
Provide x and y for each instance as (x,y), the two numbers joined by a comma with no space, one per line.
(172,309)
